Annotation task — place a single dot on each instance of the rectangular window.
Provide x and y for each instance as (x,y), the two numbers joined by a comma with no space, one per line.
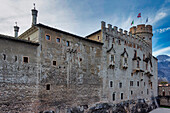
(4,57)
(137,63)
(58,40)
(48,87)
(25,59)
(47,37)
(113,96)
(143,56)
(120,85)
(54,63)
(147,91)
(113,40)
(131,92)
(125,60)
(121,96)
(132,74)
(112,58)
(15,58)
(146,66)
(134,45)
(67,43)
(151,85)
(131,83)
(98,37)
(125,43)
(119,42)
(111,83)
(137,83)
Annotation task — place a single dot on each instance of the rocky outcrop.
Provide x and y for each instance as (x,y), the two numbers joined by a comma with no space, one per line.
(130,106)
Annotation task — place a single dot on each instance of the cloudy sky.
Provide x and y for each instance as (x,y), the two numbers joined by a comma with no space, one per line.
(83,17)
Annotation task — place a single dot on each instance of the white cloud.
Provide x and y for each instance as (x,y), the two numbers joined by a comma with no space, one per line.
(157,17)
(162,51)
(55,13)
(161,30)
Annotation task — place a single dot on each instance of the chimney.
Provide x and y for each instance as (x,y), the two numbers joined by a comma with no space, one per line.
(34,16)
(16,30)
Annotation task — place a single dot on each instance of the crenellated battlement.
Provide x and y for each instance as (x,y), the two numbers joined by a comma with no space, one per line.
(138,35)
(142,28)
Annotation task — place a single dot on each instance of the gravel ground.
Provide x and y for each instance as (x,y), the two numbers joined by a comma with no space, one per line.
(161,110)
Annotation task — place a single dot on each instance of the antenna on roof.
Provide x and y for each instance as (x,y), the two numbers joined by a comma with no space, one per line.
(16,23)
(34,5)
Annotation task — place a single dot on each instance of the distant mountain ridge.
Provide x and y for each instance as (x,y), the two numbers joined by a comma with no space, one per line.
(164,67)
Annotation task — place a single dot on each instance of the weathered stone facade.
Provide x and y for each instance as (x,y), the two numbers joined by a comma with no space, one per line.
(46,69)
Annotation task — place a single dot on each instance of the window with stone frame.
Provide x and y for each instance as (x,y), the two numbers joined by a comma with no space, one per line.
(47,86)
(111,83)
(113,96)
(54,63)
(119,42)
(4,57)
(120,85)
(121,96)
(137,83)
(98,37)
(131,83)
(25,59)
(113,40)
(131,92)
(138,64)
(112,58)
(67,43)
(143,56)
(48,37)
(146,66)
(58,40)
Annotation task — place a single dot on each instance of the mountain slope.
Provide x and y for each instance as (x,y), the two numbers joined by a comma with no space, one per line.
(164,67)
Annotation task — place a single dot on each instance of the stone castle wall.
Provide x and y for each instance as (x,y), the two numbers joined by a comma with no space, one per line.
(67,72)
(18,80)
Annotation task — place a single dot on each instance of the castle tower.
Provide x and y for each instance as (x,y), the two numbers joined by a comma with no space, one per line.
(34,16)
(144,31)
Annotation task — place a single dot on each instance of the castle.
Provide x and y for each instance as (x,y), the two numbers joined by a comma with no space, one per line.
(47,70)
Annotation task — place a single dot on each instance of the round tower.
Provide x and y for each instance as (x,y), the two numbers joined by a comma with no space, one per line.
(144,32)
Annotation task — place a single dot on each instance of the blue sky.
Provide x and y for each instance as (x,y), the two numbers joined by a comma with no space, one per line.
(83,17)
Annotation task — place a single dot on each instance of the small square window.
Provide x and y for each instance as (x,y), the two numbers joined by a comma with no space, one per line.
(58,40)
(54,63)
(47,37)
(25,59)
(48,87)
(67,43)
